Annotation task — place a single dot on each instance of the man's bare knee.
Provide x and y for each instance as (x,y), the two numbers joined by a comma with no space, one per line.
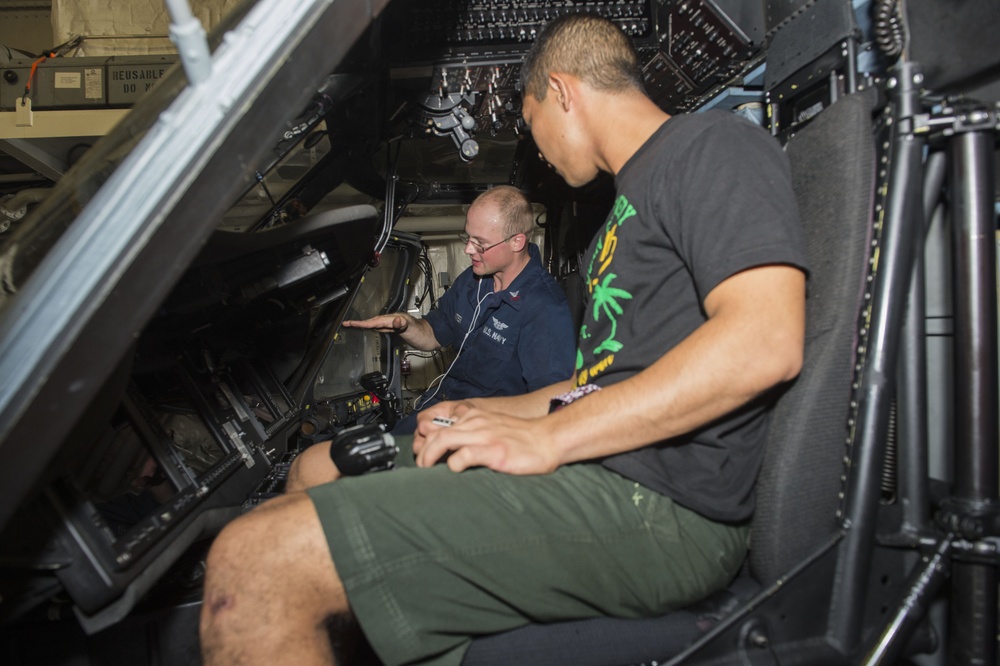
(234,583)
(229,568)
(312,467)
(277,533)
(270,577)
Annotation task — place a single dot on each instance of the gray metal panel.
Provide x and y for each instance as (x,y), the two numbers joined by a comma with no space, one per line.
(57,84)
(68,83)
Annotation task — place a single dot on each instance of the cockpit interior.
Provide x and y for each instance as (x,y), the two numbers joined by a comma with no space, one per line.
(172,289)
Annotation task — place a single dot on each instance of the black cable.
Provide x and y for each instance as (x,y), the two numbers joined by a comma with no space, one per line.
(890,34)
(427,268)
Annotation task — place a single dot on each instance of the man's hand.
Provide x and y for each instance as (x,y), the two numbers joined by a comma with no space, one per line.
(415,332)
(480,438)
(389,323)
(448,409)
(427,420)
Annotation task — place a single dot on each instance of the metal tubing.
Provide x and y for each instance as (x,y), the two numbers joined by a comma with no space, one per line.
(852,65)
(911,386)
(922,587)
(975,317)
(974,586)
(902,222)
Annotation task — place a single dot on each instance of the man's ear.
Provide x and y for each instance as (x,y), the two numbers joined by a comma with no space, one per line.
(520,242)
(559,86)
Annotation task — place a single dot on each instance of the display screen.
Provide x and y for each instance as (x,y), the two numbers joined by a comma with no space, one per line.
(142,458)
(176,433)
(124,480)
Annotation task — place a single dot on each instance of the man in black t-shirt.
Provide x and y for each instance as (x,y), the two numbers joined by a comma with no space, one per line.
(624,490)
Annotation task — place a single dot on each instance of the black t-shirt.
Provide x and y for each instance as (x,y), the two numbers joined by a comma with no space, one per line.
(707,196)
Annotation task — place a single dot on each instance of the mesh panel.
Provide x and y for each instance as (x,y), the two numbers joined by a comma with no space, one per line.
(801,477)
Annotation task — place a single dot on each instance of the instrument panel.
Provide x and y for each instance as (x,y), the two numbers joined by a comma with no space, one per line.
(454,67)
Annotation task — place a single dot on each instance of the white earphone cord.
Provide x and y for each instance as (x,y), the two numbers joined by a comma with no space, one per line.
(440,378)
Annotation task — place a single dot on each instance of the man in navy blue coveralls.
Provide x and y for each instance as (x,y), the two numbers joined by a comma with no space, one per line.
(505,316)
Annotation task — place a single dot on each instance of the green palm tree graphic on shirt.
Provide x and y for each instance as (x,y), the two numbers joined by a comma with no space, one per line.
(606,300)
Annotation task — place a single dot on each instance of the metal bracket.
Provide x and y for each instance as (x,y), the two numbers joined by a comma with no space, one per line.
(447,117)
(951,121)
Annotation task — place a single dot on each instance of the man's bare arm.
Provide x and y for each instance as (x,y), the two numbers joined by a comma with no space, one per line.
(415,332)
(752,341)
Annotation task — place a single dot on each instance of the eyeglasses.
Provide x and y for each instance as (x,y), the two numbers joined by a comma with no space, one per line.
(478,247)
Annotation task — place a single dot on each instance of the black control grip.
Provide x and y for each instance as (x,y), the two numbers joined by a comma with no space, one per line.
(378,384)
(362,449)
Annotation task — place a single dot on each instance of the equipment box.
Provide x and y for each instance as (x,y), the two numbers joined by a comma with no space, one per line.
(81,83)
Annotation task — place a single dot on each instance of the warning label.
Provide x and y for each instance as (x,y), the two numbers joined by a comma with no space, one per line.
(127,84)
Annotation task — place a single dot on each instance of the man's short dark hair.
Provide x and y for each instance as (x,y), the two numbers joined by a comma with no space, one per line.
(589,47)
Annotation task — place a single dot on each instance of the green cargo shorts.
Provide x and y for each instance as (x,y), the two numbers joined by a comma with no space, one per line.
(430,558)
